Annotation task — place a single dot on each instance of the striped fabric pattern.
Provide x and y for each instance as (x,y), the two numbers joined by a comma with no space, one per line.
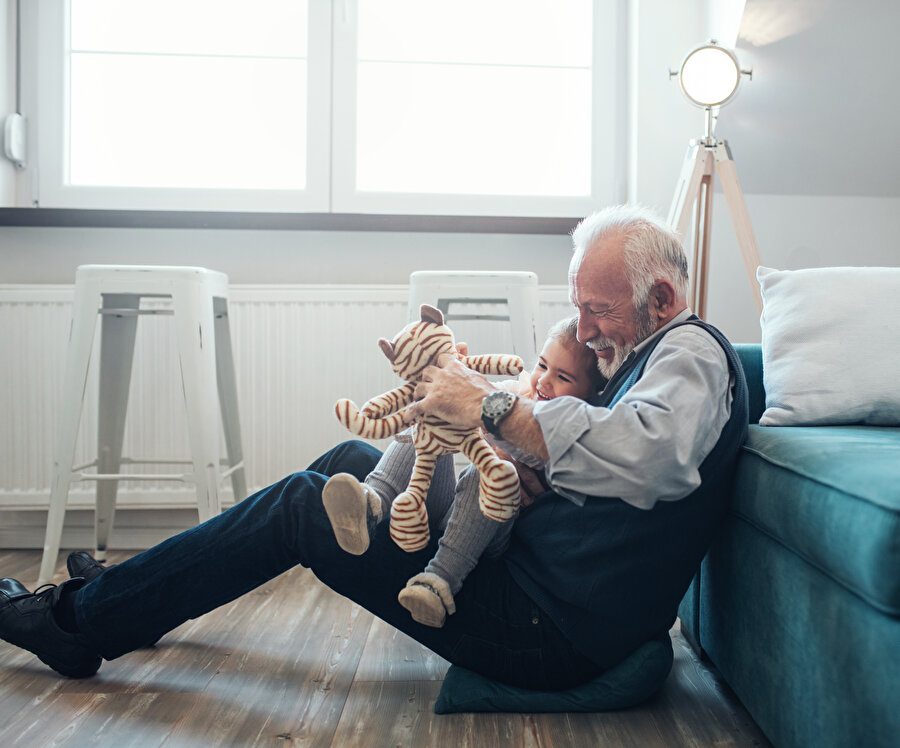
(415,347)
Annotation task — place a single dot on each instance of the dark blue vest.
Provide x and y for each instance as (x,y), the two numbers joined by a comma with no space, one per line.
(611,575)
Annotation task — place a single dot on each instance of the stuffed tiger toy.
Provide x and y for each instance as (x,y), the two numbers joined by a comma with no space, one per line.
(417,346)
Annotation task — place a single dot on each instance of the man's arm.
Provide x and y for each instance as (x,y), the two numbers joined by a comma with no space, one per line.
(454,393)
(521,428)
(647,448)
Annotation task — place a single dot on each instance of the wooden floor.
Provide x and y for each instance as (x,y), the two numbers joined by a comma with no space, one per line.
(294,664)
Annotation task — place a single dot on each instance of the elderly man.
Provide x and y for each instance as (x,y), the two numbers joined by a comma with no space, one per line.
(634,489)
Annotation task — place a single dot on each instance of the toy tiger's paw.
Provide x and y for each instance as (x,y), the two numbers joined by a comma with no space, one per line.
(498,492)
(347,414)
(409,523)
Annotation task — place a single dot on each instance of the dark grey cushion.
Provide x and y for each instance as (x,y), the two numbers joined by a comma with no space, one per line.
(630,682)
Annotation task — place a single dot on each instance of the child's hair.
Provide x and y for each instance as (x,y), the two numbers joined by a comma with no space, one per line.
(565,332)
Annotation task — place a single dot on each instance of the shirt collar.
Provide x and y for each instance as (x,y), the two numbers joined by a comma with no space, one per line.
(678,318)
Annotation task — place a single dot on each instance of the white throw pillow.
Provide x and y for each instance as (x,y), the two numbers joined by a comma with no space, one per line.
(831,346)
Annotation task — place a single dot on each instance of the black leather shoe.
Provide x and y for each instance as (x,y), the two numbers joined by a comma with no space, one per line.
(83,564)
(26,620)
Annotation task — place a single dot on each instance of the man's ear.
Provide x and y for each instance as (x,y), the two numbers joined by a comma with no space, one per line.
(662,299)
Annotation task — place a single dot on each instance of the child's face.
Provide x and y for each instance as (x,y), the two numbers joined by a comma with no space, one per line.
(562,370)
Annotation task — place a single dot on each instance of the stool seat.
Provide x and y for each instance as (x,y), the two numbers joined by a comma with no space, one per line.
(518,290)
(197,300)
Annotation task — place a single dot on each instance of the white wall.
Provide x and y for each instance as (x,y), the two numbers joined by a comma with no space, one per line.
(796,231)
(50,255)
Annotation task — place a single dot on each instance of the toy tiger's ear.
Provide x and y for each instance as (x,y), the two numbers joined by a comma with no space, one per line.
(387,347)
(430,314)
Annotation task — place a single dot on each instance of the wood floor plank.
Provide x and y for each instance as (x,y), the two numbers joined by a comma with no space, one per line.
(292,663)
(392,655)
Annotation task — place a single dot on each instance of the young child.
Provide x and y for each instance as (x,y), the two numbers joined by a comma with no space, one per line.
(564,367)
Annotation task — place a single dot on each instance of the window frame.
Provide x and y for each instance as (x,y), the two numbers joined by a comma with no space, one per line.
(50,18)
(606,163)
(332,139)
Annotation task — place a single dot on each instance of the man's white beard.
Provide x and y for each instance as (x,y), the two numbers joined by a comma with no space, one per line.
(645,326)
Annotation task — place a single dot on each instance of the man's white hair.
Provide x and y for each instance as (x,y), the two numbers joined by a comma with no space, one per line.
(652,250)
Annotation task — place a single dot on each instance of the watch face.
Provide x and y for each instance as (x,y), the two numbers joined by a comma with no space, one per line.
(497,403)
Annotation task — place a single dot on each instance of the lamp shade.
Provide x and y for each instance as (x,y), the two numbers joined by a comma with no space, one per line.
(710,74)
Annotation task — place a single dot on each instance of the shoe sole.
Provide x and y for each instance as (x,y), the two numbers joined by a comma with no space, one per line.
(346,505)
(423,605)
(85,670)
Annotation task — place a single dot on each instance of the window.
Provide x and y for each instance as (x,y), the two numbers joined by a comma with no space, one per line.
(480,107)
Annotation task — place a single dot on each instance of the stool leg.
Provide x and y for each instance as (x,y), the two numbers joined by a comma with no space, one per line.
(117,335)
(197,351)
(523,305)
(78,357)
(228,397)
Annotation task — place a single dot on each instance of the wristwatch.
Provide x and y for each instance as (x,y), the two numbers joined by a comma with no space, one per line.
(495,407)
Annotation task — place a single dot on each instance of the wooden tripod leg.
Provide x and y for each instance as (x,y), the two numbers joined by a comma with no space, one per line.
(695,165)
(701,259)
(734,196)
(695,188)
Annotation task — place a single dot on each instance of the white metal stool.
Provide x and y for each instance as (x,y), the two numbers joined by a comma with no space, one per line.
(200,308)
(517,290)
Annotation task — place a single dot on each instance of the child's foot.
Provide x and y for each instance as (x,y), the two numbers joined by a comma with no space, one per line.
(428,599)
(353,510)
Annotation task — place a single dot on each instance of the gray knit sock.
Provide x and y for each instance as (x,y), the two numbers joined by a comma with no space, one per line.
(391,475)
(469,535)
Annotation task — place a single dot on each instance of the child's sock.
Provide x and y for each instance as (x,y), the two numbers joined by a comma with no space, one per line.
(468,536)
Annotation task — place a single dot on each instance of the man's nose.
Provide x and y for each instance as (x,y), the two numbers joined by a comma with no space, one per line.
(587,328)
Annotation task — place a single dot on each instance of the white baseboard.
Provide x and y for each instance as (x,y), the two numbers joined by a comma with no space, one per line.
(134,529)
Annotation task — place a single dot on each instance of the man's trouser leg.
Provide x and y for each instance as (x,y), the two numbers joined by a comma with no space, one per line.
(139,600)
(497,630)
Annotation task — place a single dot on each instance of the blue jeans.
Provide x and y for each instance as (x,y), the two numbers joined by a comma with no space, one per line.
(496,630)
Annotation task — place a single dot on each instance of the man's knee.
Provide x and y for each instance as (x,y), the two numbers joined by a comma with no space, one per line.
(355,457)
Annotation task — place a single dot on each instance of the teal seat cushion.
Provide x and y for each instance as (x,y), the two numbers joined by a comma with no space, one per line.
(628,683)
(830,494)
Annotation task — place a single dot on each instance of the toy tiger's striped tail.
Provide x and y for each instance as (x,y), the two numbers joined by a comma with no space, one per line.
(368,428)
(494,363)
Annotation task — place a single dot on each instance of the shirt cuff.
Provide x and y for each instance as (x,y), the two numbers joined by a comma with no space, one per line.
(563,421)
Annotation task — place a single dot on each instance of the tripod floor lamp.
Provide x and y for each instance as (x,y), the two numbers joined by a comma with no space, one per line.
(709,77)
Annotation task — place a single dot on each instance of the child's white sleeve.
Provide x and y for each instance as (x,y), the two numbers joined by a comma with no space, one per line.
(520,386)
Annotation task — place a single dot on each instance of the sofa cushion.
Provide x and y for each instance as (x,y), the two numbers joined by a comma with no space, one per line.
(828,363)
(831,494)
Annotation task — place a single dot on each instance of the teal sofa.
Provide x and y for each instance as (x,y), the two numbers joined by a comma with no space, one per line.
(797,603)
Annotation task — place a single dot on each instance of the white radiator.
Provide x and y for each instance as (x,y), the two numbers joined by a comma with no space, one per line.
(297,350)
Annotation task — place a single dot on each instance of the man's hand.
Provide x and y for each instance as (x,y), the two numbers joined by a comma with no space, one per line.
(450,391)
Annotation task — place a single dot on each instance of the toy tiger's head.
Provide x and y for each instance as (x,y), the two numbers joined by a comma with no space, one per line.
(419,344)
